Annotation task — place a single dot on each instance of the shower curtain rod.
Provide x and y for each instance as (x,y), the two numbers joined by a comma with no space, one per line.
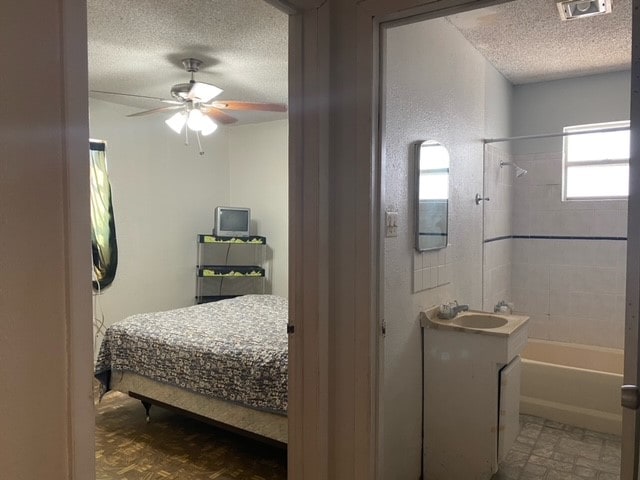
(550,135)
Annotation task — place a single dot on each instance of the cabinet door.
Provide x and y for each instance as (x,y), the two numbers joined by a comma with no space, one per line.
(509,407)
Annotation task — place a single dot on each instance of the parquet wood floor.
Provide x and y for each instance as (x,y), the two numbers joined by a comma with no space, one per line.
(172,447)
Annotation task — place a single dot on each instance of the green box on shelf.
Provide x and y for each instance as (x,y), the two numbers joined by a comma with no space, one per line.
(230,271)
(254,239)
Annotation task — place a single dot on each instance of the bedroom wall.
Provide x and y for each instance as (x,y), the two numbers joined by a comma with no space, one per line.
(164,193)
(258,179)
(436,87)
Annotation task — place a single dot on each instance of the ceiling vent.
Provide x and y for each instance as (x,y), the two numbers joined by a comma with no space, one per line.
(572,9)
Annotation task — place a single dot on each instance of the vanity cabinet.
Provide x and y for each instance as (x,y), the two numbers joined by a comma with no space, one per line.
(508,406)
(471,398)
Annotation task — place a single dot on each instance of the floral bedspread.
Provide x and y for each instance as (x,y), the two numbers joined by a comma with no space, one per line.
(234,349)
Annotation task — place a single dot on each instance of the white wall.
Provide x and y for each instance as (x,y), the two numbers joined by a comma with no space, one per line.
(436,87)
(547,107)
(258,179)
(164,193)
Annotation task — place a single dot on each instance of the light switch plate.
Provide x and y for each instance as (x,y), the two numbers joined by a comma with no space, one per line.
(391,224)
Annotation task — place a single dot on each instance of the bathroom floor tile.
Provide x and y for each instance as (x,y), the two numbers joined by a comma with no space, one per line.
(547,450)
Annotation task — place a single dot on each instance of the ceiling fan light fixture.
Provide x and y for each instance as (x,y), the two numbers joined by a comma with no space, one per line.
(195,121)
(207,126)
(191,99)
(177,121)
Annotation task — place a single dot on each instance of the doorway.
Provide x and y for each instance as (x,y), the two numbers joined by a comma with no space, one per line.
(439,84)
(168,175)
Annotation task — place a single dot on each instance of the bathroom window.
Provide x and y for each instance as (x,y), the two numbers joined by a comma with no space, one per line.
(596,164)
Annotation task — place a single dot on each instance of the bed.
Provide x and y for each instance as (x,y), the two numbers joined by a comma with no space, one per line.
(224,362)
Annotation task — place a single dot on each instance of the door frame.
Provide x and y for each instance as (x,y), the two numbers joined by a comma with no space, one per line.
(630,469)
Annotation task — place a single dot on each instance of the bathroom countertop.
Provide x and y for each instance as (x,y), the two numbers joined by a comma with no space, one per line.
(429,319)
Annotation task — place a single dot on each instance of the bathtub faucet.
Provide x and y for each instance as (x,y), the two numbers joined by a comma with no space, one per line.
(503,307)
(450,310)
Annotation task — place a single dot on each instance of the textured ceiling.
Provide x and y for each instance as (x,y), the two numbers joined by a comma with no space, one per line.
(135,47)
(527,42)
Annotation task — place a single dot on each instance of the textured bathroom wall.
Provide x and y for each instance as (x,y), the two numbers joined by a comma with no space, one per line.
(436,87)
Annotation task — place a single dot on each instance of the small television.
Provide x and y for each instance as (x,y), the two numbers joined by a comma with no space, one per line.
(232,222)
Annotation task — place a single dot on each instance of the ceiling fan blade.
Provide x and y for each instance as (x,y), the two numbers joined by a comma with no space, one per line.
(218,115)
(203,92)
(256,106)
(156,110)
(172,102)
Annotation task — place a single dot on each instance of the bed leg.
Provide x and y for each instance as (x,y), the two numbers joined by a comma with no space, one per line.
(147,407)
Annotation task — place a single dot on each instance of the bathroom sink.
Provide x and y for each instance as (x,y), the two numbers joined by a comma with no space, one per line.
(480,320)
(475,321)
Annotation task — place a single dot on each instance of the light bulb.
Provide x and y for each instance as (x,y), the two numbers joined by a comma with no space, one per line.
(582,7)
(194,122)
(207,126)
(177,121)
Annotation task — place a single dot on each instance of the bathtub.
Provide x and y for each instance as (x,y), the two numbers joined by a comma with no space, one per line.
(573,384)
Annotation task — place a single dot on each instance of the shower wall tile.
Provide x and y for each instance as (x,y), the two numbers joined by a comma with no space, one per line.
(498,253)
(521,223)
(542,169)
(531,276)
(610,223)
(585,290)
(540,326)
(498,187)
(417,280)
(544,197)
(498,222)
(433,268)
(497,272)
(530,301)
(429,277)
(444,274)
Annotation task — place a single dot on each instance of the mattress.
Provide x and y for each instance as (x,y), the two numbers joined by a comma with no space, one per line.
(233,350)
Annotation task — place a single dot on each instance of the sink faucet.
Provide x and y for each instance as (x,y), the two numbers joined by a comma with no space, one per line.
(450,310)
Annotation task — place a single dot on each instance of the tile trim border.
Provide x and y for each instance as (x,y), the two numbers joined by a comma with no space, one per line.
(553,237)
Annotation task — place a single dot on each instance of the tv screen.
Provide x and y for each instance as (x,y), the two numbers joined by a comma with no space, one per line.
(232,221)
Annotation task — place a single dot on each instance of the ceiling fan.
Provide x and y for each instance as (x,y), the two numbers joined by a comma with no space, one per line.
(195,106)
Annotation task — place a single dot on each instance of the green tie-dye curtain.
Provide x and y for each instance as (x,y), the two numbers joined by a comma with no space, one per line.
(103,229)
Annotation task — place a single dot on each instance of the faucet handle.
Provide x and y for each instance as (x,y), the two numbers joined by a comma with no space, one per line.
(449,310)
(503,307)
(445,310)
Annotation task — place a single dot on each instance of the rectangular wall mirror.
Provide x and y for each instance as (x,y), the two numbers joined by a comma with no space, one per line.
(432,195)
